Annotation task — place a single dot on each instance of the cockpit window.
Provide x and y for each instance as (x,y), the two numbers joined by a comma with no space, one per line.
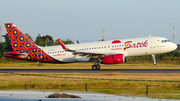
(163,41)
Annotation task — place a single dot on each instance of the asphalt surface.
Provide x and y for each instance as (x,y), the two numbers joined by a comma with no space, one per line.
(151,71)
(30,95)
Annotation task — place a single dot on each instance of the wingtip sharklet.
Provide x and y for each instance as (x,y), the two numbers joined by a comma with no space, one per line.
(62,44)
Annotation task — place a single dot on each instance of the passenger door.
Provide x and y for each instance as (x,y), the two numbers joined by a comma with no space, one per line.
(152,43)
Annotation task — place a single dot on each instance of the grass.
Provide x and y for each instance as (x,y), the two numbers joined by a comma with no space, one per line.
(164,85)
(111,83)
(85,66)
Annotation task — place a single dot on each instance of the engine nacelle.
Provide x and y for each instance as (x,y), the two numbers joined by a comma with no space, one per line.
(114,59)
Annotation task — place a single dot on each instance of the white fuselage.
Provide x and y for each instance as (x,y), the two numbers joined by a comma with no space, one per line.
(135,47)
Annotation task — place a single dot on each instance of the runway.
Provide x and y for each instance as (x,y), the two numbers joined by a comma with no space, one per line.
(151,71)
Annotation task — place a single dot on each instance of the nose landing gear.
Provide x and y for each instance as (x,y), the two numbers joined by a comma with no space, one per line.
(154,59)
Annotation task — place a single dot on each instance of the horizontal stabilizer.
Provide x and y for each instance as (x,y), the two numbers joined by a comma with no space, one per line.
(15,55)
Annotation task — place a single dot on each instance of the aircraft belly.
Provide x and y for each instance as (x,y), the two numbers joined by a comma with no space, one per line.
(69,59)
(82,60)
(65,58)
(138,52)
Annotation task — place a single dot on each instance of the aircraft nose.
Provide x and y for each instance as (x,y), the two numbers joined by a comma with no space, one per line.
(174,46)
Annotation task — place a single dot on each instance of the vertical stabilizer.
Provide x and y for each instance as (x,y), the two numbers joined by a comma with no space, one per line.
(22,44)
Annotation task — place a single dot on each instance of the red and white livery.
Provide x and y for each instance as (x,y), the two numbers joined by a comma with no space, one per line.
(106,52)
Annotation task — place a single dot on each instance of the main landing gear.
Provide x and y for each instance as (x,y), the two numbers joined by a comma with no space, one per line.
(96,66)
(154,59)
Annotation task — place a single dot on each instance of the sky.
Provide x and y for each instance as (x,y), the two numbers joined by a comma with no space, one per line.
(85,20)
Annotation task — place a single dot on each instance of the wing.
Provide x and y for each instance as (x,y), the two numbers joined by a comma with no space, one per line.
(88,54)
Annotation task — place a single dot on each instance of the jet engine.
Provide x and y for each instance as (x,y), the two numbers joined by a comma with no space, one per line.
(114,59)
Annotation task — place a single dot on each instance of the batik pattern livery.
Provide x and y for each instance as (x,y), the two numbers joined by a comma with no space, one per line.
(22,44)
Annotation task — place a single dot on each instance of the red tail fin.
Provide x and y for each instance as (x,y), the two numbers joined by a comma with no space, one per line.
(22,44)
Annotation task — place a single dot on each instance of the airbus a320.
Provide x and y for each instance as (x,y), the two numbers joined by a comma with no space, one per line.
(103,52)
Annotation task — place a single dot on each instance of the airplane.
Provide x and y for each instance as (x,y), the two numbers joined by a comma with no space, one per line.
(105,52)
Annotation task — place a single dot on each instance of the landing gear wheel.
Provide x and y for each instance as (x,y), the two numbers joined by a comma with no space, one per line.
(98,67)
(154,59)
(94,67)
(155,62)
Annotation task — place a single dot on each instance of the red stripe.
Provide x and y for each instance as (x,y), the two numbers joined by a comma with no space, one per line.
(62,45)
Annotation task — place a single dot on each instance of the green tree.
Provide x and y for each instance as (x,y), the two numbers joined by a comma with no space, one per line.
(57,43)
(5,46)
(68,41)
(29,36)
(44,40)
